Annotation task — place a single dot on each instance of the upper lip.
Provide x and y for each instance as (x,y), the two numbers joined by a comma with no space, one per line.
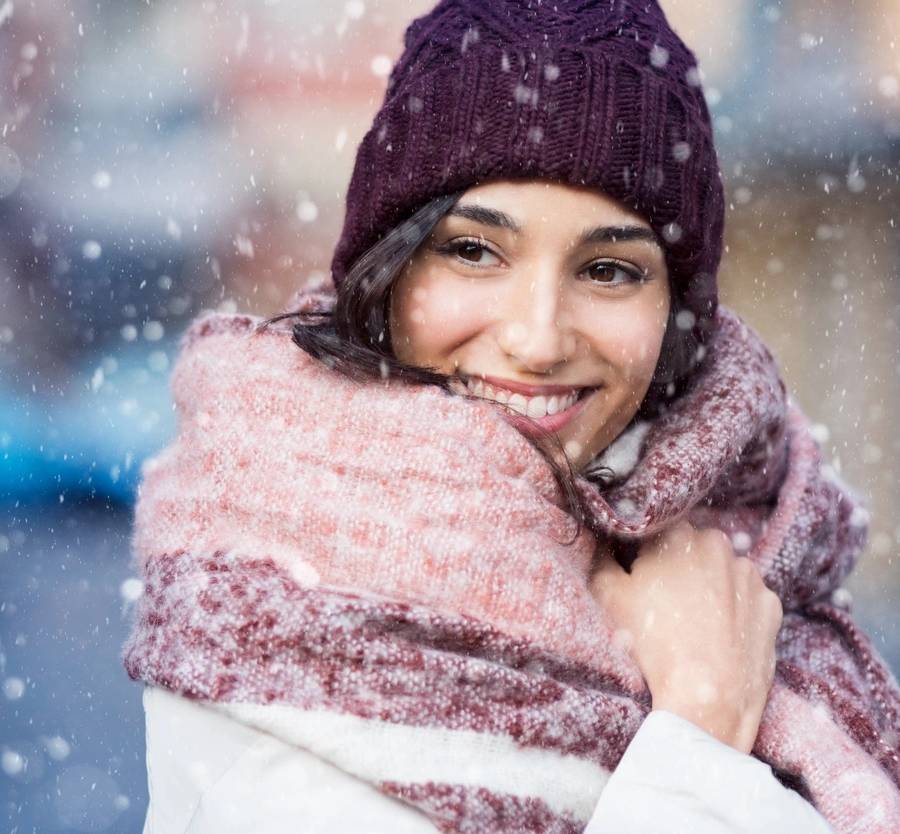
(524,388)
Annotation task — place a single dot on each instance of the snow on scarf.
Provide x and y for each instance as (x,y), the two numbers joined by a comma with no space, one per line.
(378,573)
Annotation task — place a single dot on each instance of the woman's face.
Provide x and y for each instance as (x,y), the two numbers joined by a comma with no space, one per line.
(548,297)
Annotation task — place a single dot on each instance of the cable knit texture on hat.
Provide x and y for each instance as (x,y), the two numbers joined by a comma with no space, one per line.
(601,94)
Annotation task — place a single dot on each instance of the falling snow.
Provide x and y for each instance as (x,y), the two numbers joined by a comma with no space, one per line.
(91,250)
(196,157)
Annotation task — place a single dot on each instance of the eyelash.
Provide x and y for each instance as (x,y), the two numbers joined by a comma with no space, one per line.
(455,246)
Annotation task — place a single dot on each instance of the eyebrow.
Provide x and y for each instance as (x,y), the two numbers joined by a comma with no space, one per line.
(599,234)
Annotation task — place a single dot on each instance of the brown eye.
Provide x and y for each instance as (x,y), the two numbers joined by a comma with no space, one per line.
(468,250)
(604,272)
(471,252)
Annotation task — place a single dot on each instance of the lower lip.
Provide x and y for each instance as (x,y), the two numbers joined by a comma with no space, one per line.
(549,423)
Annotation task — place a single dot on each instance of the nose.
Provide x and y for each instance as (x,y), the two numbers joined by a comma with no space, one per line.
(536,331)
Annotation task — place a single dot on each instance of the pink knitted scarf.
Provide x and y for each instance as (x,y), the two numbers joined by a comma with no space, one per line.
(378,573)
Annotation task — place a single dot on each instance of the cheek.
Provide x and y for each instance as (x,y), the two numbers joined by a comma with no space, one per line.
(630,339)
(431,316)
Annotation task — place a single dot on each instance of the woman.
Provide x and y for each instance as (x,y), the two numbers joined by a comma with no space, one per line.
(387,575)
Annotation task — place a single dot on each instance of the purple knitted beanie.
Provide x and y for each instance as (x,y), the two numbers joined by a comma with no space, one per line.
(599,93)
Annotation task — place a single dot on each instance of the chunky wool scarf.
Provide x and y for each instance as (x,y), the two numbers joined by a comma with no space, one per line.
(384,574)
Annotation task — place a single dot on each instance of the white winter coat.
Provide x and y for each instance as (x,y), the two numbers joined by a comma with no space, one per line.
(209,774)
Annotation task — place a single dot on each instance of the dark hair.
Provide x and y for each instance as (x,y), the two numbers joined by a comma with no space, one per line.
(354,338)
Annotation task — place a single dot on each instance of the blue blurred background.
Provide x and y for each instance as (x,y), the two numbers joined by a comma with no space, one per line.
(161,158)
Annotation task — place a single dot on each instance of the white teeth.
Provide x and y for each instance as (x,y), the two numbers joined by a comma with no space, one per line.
(533,407)
(518,403)
(537,407)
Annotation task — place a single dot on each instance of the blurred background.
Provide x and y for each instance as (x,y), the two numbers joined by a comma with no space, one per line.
(159,158)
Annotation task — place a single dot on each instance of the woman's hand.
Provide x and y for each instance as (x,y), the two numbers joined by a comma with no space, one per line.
(701,625)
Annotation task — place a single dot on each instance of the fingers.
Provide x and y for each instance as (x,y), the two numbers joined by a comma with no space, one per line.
(608,575)
(682,542)
(675,539)
(691,602)
(610,567)
(707,552)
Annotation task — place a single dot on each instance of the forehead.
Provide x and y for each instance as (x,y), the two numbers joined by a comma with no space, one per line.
(547,201)
(547,210)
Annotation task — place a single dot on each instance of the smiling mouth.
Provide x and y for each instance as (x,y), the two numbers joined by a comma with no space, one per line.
(538,407)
